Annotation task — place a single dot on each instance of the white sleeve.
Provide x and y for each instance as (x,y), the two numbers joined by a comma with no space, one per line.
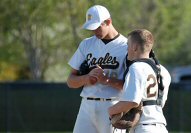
(134,85)
(78,57)
(166,82)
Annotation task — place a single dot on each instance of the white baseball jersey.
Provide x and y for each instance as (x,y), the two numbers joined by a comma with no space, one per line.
(141,85)
(109,56)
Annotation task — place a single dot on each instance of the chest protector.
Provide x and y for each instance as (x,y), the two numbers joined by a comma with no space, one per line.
(156,67)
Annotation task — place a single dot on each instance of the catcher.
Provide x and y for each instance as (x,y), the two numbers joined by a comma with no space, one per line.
(145,89)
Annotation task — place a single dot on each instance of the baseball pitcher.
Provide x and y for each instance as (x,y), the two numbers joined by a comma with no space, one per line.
(98,66)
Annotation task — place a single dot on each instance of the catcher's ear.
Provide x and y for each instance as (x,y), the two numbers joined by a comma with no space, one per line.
(134,47)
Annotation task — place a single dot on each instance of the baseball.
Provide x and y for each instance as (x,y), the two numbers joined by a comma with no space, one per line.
(92,80)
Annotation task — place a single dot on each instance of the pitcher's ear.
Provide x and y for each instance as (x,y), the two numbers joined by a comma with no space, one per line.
(108,21)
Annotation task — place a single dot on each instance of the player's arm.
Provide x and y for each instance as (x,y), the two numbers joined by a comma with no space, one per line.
(133,90)
(75,81)
(103,79)
(113,82)
(122,106)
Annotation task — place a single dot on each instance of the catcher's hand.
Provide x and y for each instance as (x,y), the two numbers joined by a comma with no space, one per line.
(127,120)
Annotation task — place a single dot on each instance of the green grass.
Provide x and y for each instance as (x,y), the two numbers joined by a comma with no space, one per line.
(39,132)
(71,132)
(181,132)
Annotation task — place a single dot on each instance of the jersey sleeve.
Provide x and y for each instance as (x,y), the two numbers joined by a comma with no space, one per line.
(134,85)
(166,82)
(78,57)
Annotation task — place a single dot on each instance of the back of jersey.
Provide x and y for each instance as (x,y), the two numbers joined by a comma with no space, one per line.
(141,85)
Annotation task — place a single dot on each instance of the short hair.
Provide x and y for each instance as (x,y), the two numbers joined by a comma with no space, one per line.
(143,38)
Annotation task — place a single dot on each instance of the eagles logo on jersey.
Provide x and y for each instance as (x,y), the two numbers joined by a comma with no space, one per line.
(106,62)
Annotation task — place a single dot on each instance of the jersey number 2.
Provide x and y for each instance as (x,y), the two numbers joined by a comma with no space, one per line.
(149,93)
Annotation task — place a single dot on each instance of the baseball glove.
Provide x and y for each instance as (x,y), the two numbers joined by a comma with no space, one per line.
(84,68)
(127,120)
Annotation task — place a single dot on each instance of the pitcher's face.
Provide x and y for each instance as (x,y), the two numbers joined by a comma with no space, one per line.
(102,31)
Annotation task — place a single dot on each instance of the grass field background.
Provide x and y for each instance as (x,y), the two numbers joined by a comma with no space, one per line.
(71,132)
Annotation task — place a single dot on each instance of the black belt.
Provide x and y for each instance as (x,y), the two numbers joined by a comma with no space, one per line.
(99,99)
(153,124)
(150,102)
(149,124)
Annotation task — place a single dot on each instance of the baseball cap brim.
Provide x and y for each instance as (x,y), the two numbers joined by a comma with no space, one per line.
(91,26)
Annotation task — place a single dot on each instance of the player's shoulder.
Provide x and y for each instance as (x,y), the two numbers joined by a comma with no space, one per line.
(164,70)
(122,39)
(141,68)
(165,73)
(139,64)
(88,41)
(91,39)
(138,67)
(144,65)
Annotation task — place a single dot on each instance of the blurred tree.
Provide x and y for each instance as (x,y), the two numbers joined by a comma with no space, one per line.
(182,52)
(42,27)
(167,20)
(42,35)
(8,72)
(25,22)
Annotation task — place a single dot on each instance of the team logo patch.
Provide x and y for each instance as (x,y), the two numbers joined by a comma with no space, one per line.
(106,62)
(89,17)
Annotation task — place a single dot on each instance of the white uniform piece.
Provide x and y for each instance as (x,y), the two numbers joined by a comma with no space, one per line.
(141,85)
(93,115)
